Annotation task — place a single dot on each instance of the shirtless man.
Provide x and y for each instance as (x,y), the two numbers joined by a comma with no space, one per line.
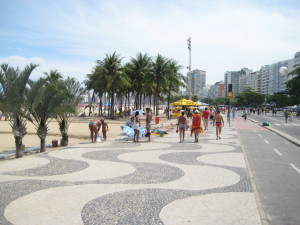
(104,129)
(219,122)
(181,126)
(148,123)
(94,126)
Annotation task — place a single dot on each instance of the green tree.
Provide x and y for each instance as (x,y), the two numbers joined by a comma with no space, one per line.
(293,85)
(45,99)
(68,106)
(159,72)
(208,100)
(13,86)
(250,98)
(194,98)
(140,71)
(175,80)
(111,68)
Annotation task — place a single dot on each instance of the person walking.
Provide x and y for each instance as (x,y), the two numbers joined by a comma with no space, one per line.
(233,113)
(212,116)
(148,123)
(94,126)
(196,126)
(182,126)
(219,122)
(136,126)
(286,115)
(291,114)
(104,129)
(205,118)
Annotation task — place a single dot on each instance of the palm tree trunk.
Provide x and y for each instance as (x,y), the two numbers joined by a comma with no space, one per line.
(43,145)
(169,97)
(65,139)
(18,142)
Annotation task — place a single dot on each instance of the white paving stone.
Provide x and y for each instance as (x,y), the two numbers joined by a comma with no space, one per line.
(225,159)
(22,163)
(213,209)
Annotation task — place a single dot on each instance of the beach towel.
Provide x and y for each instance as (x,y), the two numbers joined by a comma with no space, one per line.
(196,125)
(130,132)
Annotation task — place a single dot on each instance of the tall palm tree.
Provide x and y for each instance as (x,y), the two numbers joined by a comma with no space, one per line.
(159,71)
(13,86)
(68,107)
(141,69)
(111,68)
(175,80)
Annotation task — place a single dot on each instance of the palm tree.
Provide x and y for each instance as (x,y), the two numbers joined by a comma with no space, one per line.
(175,80)
(68,107)
(141,69)
(159,71)
(45,100)
(111,68)
(13,86)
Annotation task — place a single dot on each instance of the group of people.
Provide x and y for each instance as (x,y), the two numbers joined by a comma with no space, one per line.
(136,124)
(94,126)
(196,126)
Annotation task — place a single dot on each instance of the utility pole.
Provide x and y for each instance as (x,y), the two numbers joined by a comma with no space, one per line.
(190,63)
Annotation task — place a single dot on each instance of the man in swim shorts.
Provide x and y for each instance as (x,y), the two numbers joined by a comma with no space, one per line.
(94,127)
(219,122)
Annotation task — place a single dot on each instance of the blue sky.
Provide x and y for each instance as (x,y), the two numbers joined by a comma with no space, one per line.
(70,35)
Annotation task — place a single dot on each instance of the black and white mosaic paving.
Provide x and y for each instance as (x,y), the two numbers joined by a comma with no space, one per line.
(124,183)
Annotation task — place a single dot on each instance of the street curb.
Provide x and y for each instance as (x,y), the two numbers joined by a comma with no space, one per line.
(286,136)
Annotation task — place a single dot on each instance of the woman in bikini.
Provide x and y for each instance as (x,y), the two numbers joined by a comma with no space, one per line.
(136,126)
(94,127)
(219,122)
(181,126)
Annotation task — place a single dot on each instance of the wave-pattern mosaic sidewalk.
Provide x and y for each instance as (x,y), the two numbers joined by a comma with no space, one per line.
(161,182)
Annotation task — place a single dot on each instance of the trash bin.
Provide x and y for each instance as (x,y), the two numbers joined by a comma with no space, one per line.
(157,120)
(54,143)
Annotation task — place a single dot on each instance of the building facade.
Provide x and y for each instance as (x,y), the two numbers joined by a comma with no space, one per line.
(196,81)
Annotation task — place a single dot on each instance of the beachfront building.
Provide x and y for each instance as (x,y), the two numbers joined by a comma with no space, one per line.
(235,78)
(216,90)
(271,80)
(196,81)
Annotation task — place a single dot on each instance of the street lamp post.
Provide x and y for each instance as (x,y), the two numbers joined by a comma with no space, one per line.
(190,63)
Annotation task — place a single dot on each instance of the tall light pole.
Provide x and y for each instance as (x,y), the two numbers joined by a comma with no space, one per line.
(190,63)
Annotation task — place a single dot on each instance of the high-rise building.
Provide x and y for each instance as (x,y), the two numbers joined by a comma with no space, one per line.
(297,58)
(196,81)
(237,79)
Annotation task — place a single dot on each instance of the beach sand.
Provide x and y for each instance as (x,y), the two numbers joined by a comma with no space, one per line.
(78,132)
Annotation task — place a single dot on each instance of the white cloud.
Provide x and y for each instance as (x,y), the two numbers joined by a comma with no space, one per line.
(77,69)
(226,35)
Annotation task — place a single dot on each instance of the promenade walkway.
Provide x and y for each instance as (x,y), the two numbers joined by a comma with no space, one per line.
(118,182)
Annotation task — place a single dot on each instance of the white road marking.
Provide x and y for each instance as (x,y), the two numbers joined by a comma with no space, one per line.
(259,135)
(266,141)
(277,124)
(287,124)
(278,152)
(295,167)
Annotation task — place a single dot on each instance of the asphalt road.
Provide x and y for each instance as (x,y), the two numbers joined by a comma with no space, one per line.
(275,165)
(278,123)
